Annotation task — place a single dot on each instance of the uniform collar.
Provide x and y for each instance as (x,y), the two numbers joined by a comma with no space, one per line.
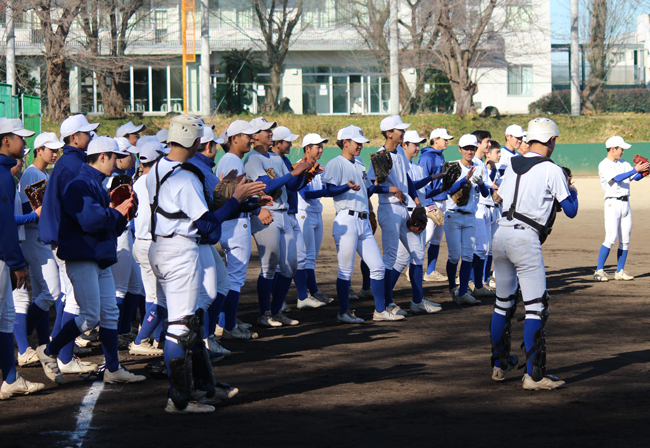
(93,173)
(67,149)
(506,148)
(204,159)
(7,161)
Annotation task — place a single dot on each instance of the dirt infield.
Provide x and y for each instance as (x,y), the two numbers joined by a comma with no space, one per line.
(424,381)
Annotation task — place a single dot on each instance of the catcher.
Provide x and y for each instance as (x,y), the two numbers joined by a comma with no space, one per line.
(615,174)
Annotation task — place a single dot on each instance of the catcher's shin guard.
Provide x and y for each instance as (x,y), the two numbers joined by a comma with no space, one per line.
(202,366)
(539,346)
(501,350)
(180,368)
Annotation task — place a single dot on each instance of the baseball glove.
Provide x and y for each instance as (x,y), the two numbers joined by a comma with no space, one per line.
(225,189)
(382,163)
(35,193)
(640,159)
(452,172)
(461,197)
(120,179)
(277,193)
(120,194)
(418,220)
(373,221)
(313,172)
(496,197)
(436,215)
(568,175)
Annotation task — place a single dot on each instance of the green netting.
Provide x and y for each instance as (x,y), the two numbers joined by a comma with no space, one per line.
(31,115)
(5,100)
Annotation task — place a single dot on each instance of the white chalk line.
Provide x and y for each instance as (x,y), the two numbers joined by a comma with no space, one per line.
(85,415)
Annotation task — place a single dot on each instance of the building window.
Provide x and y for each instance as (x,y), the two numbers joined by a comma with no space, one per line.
(520,80)
(519,16)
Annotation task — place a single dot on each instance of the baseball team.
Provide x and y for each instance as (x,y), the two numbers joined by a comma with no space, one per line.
(110,239)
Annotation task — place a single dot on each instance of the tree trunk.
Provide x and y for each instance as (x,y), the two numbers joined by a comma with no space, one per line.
(464,98)
(111,98)
(273,91)
(58,88)
(597,54)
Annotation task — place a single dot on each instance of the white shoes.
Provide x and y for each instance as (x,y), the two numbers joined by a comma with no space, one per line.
(239,332)
(395,309)
(349,318)
(284,320)
(435,276)
(49,364)
(28,358)
(213,345)
(76,365)
(266,320)
(483,292)
(352,295)
(144,348)
(499,374)
(366,294)
(623,275)
(309,302)
(82,342)
(467,299)
(600,276)
(549,382)
(425,307)
(19,387)
(193,407)
(386,315)
(121,375)
(322,298)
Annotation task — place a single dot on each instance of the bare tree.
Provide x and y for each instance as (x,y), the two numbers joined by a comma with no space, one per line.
(597,53)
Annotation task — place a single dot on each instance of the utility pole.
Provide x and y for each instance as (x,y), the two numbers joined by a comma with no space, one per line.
(574,57)
(206,96)
(394,59)
(11,48)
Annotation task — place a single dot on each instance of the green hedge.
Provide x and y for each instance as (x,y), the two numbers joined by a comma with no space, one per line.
(606,100)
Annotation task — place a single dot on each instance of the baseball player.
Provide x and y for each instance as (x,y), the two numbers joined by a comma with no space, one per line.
(530,189)
(180,216)
(514,137)
(130,132)
(432,159)
(492,162)
(87,243)
(236,233)
(411,146)
(346,178)
(460,219)
(12,145)
(276,242)
(615,174)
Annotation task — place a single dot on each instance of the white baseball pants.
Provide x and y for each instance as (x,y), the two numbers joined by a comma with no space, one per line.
(126,272)
(618,222)
(236,244)
(483,231)
(311,225)
(276,245)
(149,280)
(70,306)
(460,230)
(392,219)
(353,235)
(94,291)
(7,311)
(43,270)
(434,231)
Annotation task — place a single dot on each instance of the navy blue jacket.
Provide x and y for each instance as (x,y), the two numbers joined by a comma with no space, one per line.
(432,161)
(65,169)
(89,227)
(10,251)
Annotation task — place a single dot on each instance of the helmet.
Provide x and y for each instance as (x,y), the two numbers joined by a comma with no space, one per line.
(185,129)
(541,130)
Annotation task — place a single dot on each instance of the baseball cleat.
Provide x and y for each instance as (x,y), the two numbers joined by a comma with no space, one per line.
(600,276)
(483,292)
(28,358)
(20,387)
(549,382)
(284,320)
(623,275)
(349,318)
(121,375)
(239,333)
(425,307)
(266,320)
(242,324)
(499,374)
(366,294)
(386,316)
(309,302)
(467,299)
(49,364)
(435,276)
(492,284)
(81,351)
(454,294)
(285,308)
(82,342)
(192,408)
(223,392)
(395,309)
(322,298)
(144,349)
(352,295)
(76,365)
(213,345)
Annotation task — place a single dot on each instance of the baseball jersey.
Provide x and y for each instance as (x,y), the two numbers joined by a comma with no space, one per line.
(181,192)
(339,171)
(486,179)
(472,204)
(504,161)
(538,189)
(416,172)
(607,171)
(396,178)
(30,176)
(256,165)
(312,205)
(228,163)
(143,216)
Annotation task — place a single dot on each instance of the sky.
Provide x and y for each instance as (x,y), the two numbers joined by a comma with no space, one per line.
(560,21)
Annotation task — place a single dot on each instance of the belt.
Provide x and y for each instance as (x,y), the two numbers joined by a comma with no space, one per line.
(520,227)
(410,209)
(195,239)
(622,198)
(462,212)
(361,215)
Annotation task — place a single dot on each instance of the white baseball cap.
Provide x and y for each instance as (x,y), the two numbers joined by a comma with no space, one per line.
(185,130)
(617,142)
(313,139)
(413,137)
(161,136)
(103,144)
(261,124)
(224,135)
(47,139)
(515,130)
(352,133)
(76,123)
(208,136)
(282,133)
(14,126)
(145,139)
(525,137)
(393,122)
(125,145)
(541,130)
(151,151)
(440,133)
(241,127)
(129,128)
(468,140)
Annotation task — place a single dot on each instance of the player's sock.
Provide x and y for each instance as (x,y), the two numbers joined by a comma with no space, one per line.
(69,331)
(465,270)
(58,307)
(365,273)
(7,360)
(108,339)
(158,333)
(43,329)
(388,287)
(34,315)
(172,350)
(230,309)
(149,323)
(142,307)
(451,274)
(20,332)
(415,272)
(300,279)
(222,320)
(67,352)
(496,331)
(280,290)
(311,281)
(395,274)
(343,292)
(432,255)
(214,311)
(120,307)
(488,269)
(622,258)
(530,327)
(129,307)
(602,257)
(479,269)
(378,289)
(264,286)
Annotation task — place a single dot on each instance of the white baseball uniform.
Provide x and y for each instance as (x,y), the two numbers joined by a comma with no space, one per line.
(618,215)
(483,216)
(416,172)
(310,219)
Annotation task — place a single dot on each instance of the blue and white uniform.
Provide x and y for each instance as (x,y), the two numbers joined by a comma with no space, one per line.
(432,161)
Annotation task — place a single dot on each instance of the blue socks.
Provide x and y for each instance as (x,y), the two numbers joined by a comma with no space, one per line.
(7,360)
(264,286)
(394,278)
(488,269)
(34,316)
(432,254)
(602,257)
(150,322)
(451,274)
(365,273)
(496,332)
(622,257)
(343,292)
(20,332)
(530,327)
(311,281)
(108,339)
(465,271)
(69,332)
(58,307)
(172,350)
(388,287)
(127,313)
(378,287)
(230,309)
(67,352)
(280,290)
(479,270)
(300,279)
(415,272)
(214,311)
